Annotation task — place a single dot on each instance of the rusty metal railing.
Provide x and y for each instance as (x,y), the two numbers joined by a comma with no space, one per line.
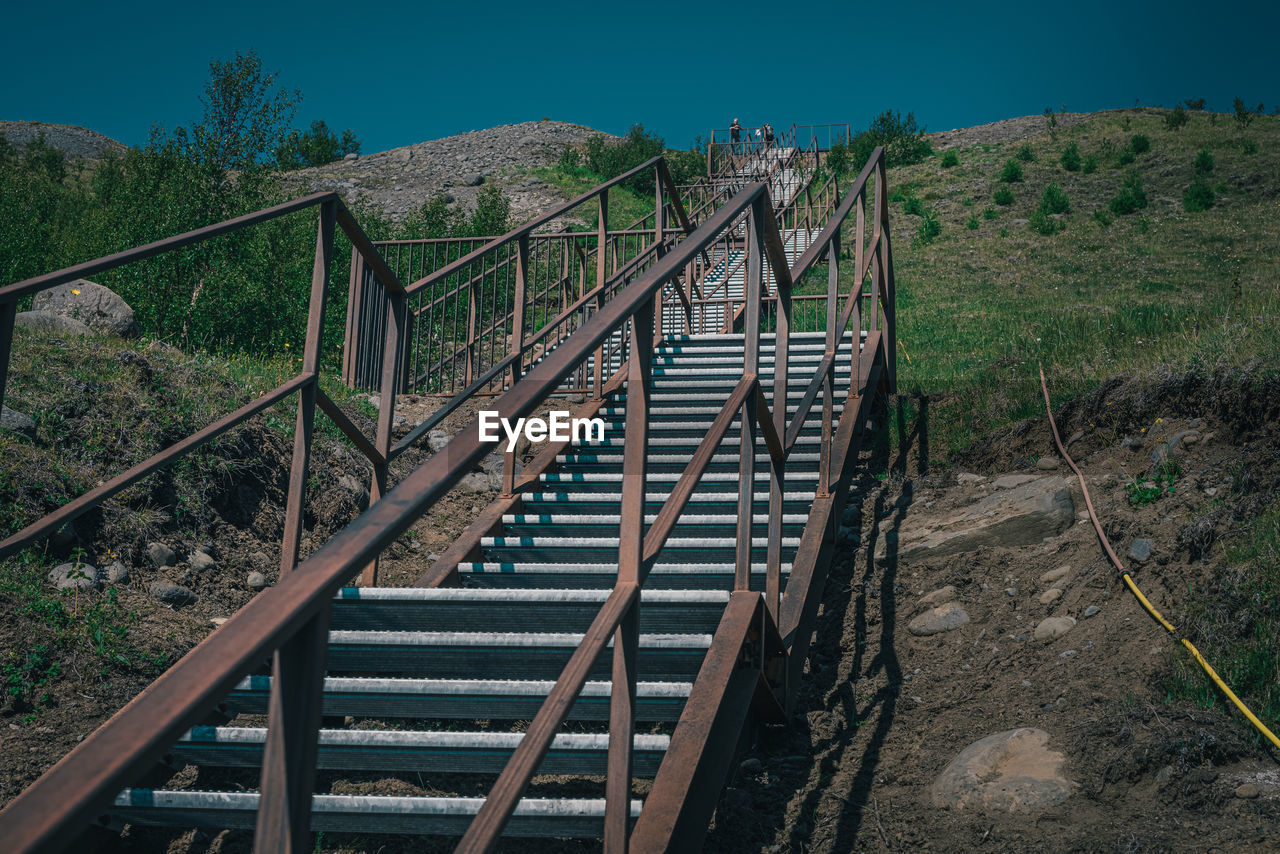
(474,301)
(289,620)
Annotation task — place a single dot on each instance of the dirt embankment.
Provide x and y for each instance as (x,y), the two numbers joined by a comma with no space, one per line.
(885,710)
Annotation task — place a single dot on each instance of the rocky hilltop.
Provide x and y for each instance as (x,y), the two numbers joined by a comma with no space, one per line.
(73,141)
(401,180)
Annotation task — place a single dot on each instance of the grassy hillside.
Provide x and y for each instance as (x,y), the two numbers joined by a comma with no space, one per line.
(983,300)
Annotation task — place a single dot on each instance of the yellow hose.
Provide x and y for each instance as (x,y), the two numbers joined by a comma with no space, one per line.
(1133,588)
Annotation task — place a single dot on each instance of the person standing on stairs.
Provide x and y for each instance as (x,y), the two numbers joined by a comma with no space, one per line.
(735,136)
(767,130)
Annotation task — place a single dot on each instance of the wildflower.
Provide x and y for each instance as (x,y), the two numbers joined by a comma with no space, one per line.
(75,291)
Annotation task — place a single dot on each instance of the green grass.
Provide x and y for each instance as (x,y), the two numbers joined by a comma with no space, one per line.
(978,310)
(1236,625)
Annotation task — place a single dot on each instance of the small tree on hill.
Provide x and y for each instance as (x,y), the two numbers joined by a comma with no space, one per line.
(245,114)
(315,147)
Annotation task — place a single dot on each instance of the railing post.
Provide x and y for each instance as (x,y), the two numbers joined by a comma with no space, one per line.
(602,276)
(351,337)
(750,367)
(833,281)
(886,270)
(631,532)
(516,370)
(472,312)
(293,722)
(777,469)
(397,324)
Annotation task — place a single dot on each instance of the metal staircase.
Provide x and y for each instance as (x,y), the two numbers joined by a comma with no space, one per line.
(488,651)
(621,611)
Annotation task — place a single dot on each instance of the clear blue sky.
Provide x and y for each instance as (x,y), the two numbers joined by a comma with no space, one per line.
(399,73)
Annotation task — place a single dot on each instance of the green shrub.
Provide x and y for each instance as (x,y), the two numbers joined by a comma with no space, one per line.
(608,159)
(1204,162)
(1054,200)
(1131,197)
(971,223)
(1140,143)
(1042,223)
(1011,171)
(1248,145)
(1101,217)
(990,213)
(838,160)
(1125,157)
(929,227)
(1071,157)
(1003,232)
(316,147)
(1176,118)
(968,203)
(1196,104)
(912,205)
(1025,153)
(1090,164)
(903,140)
(950,158)
(1003,196)
(1198,197)
(1242,114)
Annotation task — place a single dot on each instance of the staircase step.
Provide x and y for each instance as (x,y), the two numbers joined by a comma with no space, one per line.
(502,655)
(459,609)
(663,576)
(463,699)
(401,751)
(533,817)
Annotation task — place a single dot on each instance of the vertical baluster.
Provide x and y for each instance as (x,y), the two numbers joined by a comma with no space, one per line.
(517,346)
(602,240)
(832,344)
(293,727)
(781,348)
(630,549)
(886,272)
(750,368)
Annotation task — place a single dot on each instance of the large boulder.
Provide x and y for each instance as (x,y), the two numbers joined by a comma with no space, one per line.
(97,307)
(1021,516)
(1012,771)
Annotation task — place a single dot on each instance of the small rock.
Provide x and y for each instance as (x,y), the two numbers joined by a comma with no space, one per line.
(259,559)
(70,576)
(1211,492)
(1055,575)
(1164,775)
(404,155)
(161,555)
(1047,463)
(750,765)
(937,597)
(1011,591)
(481,481)
(1013,771)
(1247,791)
(1091,611)
(1012,481)
(353,157)
(1053,594)
(1067,653)
(969,477)
(256,580)
(117,573)
(1052,628)
(218,621)
(17,422)
(944,618)
(1133,443)
(201,561)
(475,179)
(432,556)
(437,439)
(174,595)
(1140,550)
(1020,221)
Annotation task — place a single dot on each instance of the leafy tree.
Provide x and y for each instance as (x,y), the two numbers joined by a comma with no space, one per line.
(246,114)
(315,147)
